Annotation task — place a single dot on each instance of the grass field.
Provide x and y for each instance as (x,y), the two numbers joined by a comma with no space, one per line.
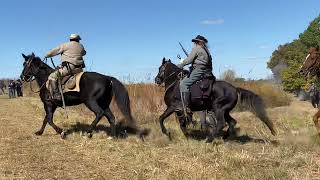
(256,154)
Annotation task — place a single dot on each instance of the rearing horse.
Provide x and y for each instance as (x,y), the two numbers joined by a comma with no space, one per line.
(310,68)
(96,92)
(224,98)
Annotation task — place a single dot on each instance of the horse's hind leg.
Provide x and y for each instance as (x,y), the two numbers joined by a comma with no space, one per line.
(109,115)
(98,111)
(316,121)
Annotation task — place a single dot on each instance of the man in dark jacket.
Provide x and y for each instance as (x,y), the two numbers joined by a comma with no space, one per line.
(12,89)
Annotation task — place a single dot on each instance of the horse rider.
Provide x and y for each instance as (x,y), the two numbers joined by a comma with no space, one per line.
(72,61)
(201,66)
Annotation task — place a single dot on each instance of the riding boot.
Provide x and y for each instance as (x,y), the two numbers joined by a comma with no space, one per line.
(186,102)
(56,95)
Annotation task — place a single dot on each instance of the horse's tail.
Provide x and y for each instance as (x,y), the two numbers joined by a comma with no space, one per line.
(122,99)
(255,104)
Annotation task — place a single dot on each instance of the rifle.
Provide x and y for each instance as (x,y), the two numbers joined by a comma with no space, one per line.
(184,50)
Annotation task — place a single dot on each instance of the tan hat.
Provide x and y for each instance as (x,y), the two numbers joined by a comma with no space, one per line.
(75,37)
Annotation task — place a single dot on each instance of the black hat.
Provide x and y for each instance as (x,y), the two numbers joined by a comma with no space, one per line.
(200,38)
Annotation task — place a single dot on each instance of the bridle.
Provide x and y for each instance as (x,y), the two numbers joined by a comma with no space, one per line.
(31,78)
(28,72)
(170,75)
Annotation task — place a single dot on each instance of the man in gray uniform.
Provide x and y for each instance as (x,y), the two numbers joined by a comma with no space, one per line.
(201,61)
(72,61)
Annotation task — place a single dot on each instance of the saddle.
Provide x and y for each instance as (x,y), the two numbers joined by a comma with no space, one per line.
(202,89)
(70,82)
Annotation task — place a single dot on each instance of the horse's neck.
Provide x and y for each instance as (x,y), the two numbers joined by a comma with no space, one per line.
(43,74)
(171,80)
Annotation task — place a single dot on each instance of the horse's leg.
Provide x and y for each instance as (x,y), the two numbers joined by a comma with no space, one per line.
(203,120)
(316,121)
(109,115)
(50,109)
(219,113)
(182,122)
(55,127)
(49,115)
(98,111)
(232,124)
(163,116)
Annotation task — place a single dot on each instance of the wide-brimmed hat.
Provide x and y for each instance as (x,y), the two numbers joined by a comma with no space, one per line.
(75,37)
(200,38)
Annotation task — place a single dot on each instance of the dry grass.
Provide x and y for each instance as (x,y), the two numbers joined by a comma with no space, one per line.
(294,154)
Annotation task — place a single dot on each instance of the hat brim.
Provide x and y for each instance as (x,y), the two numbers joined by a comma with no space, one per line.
(75,38)
(198,40)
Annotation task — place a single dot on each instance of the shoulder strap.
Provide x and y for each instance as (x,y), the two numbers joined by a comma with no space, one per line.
(209,56)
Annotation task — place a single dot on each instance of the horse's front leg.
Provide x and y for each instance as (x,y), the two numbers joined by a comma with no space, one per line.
(164,115)
(183,123)
(50,109)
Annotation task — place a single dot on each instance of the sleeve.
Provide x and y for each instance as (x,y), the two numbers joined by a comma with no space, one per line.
(56,51)
(191,57)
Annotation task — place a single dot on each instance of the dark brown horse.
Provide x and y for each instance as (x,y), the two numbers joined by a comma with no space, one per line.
(223,99)
(96,93)
(311,68)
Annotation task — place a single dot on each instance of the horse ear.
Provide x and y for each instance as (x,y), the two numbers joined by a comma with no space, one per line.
(170,60)
(33,54)
(163,60)
(24,56)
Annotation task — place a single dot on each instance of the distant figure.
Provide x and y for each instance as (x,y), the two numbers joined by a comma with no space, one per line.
(2,87)
(12,89)
(19,88)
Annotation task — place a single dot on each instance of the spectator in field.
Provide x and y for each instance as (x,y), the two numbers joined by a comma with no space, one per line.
(2,87)
(19,88)
(12,89)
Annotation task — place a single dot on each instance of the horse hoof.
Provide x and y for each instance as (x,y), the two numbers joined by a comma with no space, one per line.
(209,140)
(63,135)
(38,133)
(89,135)
(109,138)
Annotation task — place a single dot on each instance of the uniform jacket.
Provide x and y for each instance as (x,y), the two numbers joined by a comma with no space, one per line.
(199,57)
(71,52)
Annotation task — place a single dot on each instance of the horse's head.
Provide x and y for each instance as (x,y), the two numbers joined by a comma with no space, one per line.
(161,76)
(311,64)
(169,71)
(31,66)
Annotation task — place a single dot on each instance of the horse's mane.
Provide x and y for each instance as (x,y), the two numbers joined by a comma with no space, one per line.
(42,63)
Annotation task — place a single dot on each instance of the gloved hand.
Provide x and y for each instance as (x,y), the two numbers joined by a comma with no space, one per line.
(180,66)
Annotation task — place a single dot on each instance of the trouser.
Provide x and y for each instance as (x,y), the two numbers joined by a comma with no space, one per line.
(19,91)
(64,71)
(195,75)
(12,93)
